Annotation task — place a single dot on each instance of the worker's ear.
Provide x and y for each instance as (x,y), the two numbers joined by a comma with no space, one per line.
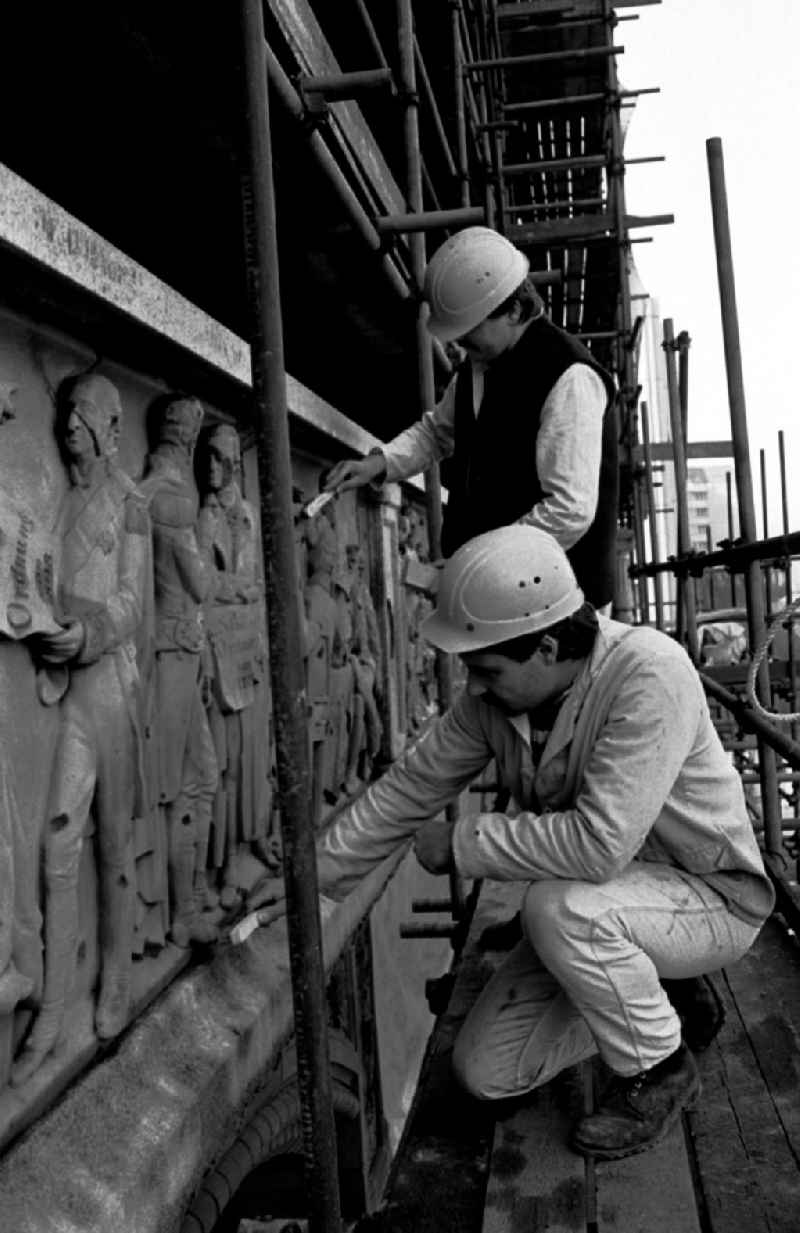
(548,649)
(515,313)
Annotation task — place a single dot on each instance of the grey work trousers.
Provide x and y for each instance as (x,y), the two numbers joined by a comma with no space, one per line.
(585,979)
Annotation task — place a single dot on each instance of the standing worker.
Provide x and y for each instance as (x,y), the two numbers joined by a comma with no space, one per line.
(641,870)
(527,423)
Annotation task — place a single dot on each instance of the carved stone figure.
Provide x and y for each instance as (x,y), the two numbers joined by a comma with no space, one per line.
(326,653)
(411,534)
(14,984)
(420,658)
(104,532)
(238,710)
(365,650)
(186,769)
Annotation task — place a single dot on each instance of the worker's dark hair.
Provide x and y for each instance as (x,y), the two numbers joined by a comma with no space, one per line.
(575,634)
(528,298)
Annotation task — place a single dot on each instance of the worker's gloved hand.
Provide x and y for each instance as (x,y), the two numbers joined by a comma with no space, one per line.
(354,472)
(433,846)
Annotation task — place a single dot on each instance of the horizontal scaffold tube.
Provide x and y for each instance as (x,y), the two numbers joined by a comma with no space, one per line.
(735,558)
(539,57)
(751,721)
(430,220)
(345,85)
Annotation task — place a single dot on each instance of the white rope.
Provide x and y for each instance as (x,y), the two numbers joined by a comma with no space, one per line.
(781,717)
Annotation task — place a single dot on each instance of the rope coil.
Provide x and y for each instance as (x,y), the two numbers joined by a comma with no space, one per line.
(785,615)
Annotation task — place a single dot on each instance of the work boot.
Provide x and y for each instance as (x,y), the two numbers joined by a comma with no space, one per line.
(699,1009)
(636,1111)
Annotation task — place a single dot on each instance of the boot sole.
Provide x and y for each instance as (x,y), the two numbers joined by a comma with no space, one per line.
(601,1153)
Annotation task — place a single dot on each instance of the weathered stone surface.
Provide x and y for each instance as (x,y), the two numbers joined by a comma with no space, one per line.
(129,1143)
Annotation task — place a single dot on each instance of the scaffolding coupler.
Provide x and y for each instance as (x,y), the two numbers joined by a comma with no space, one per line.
(429,220)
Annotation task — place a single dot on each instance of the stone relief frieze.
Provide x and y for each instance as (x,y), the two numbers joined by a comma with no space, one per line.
(133,634)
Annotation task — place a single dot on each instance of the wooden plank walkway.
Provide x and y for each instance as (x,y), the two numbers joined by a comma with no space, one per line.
(731,1166)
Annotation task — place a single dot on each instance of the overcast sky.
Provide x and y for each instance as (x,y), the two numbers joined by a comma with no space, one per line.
(727,69)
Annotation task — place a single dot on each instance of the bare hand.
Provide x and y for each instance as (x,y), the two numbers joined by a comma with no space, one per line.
(433,846)
(354,472)
(269,897)
(62,646)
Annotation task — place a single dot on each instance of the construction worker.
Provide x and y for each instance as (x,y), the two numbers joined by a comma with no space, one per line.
(629,834)
(527,423)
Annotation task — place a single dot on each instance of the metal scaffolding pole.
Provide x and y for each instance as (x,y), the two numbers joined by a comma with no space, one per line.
(616,197)
(641,556)
(683,342)
(788,592)
(416,241)
(462,157)
(770,800)
(711,584)
(286,657)
(767,567)
(729,499)
(655,549)
(685,608)
(479,117)
(737,557)
(542,57)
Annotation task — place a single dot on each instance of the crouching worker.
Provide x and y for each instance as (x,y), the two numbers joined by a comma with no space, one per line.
(631,835)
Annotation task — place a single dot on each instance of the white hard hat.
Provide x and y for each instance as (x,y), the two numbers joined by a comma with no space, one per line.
(503,584)
(468,277)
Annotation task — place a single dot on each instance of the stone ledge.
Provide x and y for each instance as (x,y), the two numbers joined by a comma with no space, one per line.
(44,232)
(175,1091)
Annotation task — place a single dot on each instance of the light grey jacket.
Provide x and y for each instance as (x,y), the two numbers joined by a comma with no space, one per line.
(632,769)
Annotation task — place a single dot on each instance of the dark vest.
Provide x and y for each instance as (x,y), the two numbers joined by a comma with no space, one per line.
(491,476)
